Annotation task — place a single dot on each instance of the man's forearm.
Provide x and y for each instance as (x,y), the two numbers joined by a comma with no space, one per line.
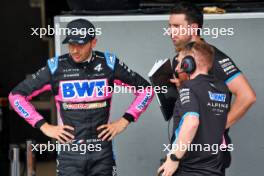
(238,109)
(25,109)
(186,135)
(244,98)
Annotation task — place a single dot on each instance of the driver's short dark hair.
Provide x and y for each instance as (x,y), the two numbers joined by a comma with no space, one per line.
(190,10)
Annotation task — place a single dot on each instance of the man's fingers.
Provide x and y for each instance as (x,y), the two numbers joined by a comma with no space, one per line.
(68,134)
(172,80)
(68,127)
(103,133)
(175,80)
(160,169)
(164,173)
(112,136)
(60,140)
(102,127)
(65,138)
(106,136)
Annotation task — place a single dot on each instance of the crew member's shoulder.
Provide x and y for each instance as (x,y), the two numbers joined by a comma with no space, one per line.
(186,86)
(220,85)
(219,55)
(191,83)
(194,85)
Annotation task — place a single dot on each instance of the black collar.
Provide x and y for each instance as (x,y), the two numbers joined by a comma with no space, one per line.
(86,63)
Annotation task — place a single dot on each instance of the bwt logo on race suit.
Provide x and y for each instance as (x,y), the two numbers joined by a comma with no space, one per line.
(217,96)
(83,88)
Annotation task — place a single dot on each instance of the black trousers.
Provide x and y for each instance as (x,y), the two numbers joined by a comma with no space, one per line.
(96,163)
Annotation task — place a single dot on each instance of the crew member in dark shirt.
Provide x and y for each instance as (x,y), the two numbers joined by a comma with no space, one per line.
(202,107)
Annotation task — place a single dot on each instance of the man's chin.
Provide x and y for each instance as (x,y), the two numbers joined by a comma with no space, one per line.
(176,45)
(77,59)
(178,48)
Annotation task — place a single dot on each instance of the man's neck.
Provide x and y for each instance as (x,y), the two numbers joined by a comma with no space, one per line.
(195,74)
(194,38)
(89,58)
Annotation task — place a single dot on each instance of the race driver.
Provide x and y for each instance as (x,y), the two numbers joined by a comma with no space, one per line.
(81,83)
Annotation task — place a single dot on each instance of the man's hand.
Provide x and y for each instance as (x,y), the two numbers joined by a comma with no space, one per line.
(175,81)
(182,76)
(109,131)
(58,132)
(169,167)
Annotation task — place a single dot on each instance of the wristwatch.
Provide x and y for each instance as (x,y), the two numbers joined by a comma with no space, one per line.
(173,157)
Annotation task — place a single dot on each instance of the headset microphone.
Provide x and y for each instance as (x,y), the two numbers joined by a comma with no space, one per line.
(177,73)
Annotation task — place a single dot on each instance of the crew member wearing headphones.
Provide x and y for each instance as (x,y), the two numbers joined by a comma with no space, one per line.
(202,108)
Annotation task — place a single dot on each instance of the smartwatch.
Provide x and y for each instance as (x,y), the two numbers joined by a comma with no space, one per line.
(173,157)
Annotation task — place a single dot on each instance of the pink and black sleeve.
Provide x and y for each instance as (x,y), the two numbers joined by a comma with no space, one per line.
(21,95)
(142,90)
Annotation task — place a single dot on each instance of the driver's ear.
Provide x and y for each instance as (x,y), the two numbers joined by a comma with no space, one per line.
(94,42)
(195,26)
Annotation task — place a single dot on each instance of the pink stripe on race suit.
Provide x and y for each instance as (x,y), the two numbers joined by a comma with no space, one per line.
(37,92)
(120,83)
(24,108)
(141,102)
(224,143)
(59,118)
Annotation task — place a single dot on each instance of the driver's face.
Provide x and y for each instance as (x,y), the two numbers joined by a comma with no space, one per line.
(79,52)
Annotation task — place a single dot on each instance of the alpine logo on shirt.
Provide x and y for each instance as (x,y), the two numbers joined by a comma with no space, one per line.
(83,88)
(218,104)
(217,96)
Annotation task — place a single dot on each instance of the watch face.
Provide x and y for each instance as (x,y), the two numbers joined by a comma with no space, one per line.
(173,157)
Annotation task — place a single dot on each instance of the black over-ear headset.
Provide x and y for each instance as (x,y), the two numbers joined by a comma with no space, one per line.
(188,64)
